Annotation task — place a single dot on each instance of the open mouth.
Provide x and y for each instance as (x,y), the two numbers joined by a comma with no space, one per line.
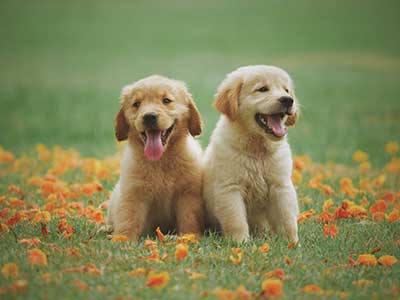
(154,141)
(272,124)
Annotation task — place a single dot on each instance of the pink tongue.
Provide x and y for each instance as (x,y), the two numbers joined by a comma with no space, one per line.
(153,149)
(274,122)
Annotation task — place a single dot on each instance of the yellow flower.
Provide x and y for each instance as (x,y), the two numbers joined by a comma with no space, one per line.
(387,260)
(362,282)
(296,177)
(360,156)
(119,238)
(272,287)
(327,205)
(392,147)
(367,260)
(10,270)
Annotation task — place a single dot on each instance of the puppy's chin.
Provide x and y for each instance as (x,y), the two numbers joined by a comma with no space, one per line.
(272,126)
(155,142)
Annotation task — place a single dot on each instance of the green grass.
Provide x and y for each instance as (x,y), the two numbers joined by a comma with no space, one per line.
(62,66)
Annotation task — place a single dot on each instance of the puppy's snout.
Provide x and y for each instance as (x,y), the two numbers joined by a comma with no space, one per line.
(287,102)
(150,120)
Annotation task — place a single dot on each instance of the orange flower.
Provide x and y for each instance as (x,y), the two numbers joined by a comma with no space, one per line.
(360,156)
(10,270)
(264,248)
(46,277)
(394,216)
(137,272)
(272,287)
(72,252)
(236,259)
(6,156)
(378,216)
(387,260)
(327,189)
(362,282)
(366,260)
(278,273)
(241,293)
(19,285)
(288,260)
(119,238)
(30,242)
(392,147)
(330,230)
(194,275)
(305,215)
(181,251)
(311,289)
(291,245)
(160,235)
(364,167)
(41,217)
(157,280)
(37,257)
(379,205)
(80,285)
(90,269)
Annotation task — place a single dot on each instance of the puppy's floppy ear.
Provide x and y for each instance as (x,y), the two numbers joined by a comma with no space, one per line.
(121,126)
(291,120)
(195,123)
(227,97)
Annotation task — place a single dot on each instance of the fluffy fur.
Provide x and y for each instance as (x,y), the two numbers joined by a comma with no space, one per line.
(247,168)
(161,191)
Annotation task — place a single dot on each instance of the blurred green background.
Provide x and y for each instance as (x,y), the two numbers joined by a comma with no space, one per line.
(63,63)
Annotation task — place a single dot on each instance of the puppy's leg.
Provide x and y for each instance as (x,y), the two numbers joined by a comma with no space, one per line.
(230,211)
(283,210)
(190,214)
(131,214)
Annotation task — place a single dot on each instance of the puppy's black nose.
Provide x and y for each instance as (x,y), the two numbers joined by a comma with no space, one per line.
(286,101)
(150,119)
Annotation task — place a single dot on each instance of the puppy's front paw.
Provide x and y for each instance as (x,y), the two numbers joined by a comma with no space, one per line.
(239,236)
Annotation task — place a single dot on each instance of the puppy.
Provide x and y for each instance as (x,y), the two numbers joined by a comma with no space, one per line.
(160,181)
(247,165)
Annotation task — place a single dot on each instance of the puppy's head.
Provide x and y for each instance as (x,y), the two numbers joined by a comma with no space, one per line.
(260,97)
(155,111)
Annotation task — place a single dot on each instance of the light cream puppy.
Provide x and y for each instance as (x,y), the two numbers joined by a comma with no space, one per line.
(160,181)
(248,165)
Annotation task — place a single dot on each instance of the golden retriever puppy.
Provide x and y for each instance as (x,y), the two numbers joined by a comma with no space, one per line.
(160,181)
(247,165)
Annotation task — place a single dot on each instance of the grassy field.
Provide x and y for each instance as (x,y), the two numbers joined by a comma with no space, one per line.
(62,66)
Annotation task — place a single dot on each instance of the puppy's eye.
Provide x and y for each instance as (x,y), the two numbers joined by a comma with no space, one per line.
(166,101)
(286,90)
(136,104)
(263,89)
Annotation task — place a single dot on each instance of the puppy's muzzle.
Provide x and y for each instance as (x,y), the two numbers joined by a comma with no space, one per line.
(150,121)
(287,103)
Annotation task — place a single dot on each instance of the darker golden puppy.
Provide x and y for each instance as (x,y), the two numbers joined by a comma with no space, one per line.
(160,182)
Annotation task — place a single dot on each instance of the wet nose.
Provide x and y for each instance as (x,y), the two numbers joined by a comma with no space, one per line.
(286,101)
(150,120)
